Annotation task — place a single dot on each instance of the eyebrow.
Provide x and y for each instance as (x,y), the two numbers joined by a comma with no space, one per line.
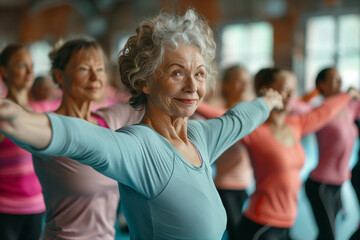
(182,66)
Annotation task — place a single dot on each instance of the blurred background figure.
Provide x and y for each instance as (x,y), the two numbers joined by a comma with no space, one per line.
(44,89)
(234,173)
(21,200)
(335,143)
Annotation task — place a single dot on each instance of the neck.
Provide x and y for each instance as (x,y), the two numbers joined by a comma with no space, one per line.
(171,128)
(80,109)
(21,97)
(277,118)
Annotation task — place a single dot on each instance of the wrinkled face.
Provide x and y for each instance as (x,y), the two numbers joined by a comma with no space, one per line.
(285,84)
(179,84)
(238,84)
(19,71)
(84,76)
(332,83)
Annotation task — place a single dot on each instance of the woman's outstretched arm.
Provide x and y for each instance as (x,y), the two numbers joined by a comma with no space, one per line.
(25,126)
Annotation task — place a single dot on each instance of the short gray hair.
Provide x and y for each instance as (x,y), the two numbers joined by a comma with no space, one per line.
(144,52)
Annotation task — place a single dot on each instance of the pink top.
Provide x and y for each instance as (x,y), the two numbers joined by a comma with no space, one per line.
(233,168)
(335,142)
(20,190)
(45,106)
(81,203)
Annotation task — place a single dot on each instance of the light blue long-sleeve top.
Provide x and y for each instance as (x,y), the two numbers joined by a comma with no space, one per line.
(163,195)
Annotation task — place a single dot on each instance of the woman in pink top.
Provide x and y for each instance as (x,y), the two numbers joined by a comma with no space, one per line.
(335,142)
(21,201)
(233,168)
(80,202)
(277,157)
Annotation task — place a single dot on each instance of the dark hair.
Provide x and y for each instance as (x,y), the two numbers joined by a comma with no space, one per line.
(321,77)
(61,56)
(7,53)
(265,77)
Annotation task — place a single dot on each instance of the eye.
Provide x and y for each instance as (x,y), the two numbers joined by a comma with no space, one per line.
(200,75)
(83,68)
(21,65)
(100,69)
(177,75)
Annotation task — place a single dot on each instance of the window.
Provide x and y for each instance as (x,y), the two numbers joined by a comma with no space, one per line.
(333,40)
(119,45)
(248,44)
(40,54)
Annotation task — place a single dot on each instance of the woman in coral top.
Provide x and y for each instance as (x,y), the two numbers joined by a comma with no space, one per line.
(277,157)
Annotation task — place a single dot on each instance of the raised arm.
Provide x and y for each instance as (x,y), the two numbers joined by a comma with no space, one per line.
(218,134)
(17,123)
(272,99)
(321,115)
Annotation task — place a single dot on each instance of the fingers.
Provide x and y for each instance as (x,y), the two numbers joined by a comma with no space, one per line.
(273,99)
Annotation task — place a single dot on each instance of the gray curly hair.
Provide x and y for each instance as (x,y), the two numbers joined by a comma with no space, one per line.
(144,52)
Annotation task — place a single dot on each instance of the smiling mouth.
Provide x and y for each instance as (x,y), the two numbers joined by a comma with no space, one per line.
(186,101)
(93,88)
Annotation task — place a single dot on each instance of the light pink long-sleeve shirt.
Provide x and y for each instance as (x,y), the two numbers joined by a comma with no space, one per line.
(335,142)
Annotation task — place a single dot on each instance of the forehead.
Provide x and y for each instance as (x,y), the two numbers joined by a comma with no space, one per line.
(331,74)
(86,55)
(285,78)
(184,55)
(240,74)
(20,54)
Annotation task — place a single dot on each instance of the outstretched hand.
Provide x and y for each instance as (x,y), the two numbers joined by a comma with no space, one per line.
(25,126)
(272,98)
(9,113)
(354,93)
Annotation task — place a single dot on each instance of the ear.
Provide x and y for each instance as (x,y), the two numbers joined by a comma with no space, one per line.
(145,89)
(59,77)
(3,73)
(320,86)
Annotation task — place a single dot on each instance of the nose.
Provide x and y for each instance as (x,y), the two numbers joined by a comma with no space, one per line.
(191,85)
(29,70)
(93,74)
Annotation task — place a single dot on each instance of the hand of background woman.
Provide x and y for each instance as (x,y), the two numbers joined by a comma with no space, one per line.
(272,98)
(25,126)
(354,93)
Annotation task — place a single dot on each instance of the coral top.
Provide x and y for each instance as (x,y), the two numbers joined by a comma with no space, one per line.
(335,142)
(277,167)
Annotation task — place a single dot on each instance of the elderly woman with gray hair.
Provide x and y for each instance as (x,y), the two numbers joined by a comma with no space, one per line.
(163,164)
